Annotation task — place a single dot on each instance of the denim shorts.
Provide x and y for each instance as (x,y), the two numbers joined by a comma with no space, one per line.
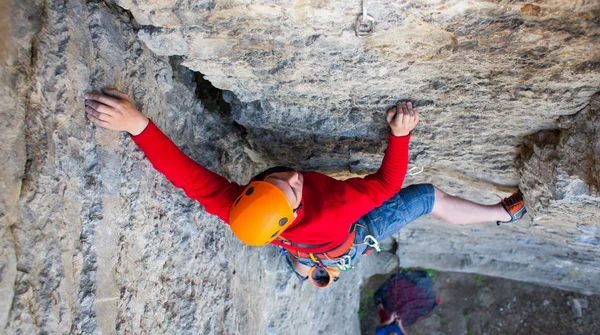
(409,204)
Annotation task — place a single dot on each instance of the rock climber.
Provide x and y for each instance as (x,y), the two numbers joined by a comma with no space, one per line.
(322,224)
(389,324)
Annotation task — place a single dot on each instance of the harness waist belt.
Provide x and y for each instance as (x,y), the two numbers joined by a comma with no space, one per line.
(336,252)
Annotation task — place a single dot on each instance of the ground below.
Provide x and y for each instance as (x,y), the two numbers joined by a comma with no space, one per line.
(476,304)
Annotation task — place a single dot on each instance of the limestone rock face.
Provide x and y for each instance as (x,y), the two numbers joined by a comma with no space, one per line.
(94,240)
(481,72)
(485,75)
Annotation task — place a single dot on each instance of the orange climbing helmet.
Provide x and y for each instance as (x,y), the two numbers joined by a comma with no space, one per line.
(260,214)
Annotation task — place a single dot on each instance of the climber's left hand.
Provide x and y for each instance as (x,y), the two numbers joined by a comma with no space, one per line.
(115,110)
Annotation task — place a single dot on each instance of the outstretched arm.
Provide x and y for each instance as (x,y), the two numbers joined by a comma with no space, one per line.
(116,111)
(388,180)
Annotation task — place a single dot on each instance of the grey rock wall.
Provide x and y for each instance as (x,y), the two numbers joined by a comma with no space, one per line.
(491,79)
(560,168)
(482,72)
(93,240)
(12,155)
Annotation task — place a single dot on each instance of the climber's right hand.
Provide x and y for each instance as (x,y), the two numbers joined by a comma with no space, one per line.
(115,110)
(403,118)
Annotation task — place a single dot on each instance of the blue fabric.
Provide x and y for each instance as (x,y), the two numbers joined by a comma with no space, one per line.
(392,328)
(409,204)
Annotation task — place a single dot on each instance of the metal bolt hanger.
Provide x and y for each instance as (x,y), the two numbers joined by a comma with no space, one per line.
(365,23)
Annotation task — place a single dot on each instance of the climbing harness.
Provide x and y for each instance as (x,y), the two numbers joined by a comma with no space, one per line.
(319,274)
(333,253)
(365,23)
(415,170)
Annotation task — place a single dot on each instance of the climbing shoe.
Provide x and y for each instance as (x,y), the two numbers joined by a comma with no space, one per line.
(514,206)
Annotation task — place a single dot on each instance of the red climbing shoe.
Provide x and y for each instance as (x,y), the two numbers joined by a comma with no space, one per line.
(514,206)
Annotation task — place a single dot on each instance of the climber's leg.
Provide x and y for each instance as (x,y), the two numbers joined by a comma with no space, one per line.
(460,211)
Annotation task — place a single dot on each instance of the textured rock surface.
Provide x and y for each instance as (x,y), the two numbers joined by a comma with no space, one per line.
(12,155)
(560,168)
(94,240)
(485,74)
(470,66)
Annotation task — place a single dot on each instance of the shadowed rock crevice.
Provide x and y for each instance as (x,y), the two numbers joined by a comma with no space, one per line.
(272,144)
(211,97)
(215,121)
(283,138)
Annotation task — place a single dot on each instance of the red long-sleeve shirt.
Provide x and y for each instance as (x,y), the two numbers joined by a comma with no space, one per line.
(329,206)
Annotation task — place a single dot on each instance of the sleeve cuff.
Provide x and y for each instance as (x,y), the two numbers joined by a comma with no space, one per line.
(401,138)
(145,134)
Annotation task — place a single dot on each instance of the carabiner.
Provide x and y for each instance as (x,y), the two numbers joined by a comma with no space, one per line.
(345,263)
(373,242)
(348,262)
